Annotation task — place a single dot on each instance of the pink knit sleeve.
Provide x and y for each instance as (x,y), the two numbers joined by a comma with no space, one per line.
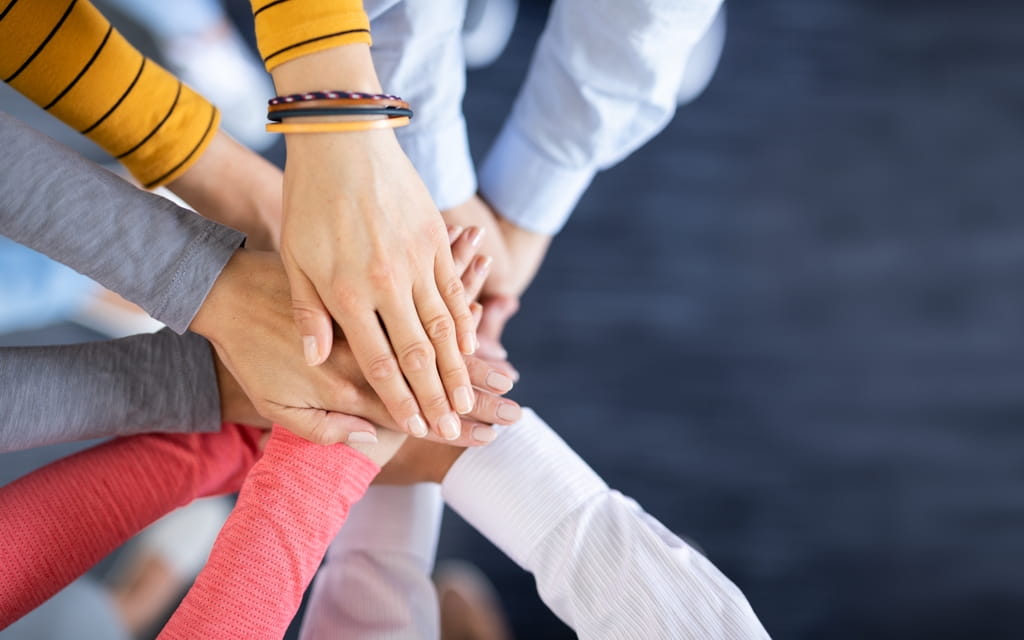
(63,518)
(292,505)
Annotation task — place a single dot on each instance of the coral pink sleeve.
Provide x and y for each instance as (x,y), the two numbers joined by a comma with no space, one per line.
(60,520)
(292,505)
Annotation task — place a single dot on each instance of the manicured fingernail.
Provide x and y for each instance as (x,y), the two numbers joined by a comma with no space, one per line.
(450,427)
(463,399)
(469,344)
(310,351)
(416,426)
(475,235)
(362,437)
(484,434)
(483,263)
(499,382)
(508,411)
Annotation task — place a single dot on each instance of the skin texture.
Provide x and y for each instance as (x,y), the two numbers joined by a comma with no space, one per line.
(259,354)
(362,243)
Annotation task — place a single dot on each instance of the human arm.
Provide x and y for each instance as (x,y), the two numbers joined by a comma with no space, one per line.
(60,520)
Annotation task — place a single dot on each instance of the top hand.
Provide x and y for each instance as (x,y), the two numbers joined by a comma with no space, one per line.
(363,242)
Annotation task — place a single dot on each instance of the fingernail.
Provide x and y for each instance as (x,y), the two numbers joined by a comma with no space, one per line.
(484,434)
(508,411)
(362,437)
(469,344)
(416,426)
(499,382)
(450,427)
(309,349)
(483,263)
(475,235)
(463,400)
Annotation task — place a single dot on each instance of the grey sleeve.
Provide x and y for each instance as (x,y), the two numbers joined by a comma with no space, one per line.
(152,382)
(156,254)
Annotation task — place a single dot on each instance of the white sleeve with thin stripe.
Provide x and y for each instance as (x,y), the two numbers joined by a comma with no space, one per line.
(603,565)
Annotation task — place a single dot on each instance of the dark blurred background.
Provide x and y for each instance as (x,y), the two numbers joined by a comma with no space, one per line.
(792,326)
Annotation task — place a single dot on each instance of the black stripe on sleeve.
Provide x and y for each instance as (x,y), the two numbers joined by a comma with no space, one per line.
(42,46)
(157,127)
(81,73)
(119,100)
(7,9)
(202,139)
(263,8)
(317,39)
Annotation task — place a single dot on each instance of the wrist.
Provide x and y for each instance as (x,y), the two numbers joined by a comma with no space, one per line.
(248,275)
(349,67)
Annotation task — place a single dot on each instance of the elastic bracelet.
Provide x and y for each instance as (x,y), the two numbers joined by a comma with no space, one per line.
(330,127)
(276,116)
(329,95)
(326,103)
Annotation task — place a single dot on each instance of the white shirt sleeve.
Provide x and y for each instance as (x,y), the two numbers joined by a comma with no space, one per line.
(603,81)
(417,51)
(605,567)
(375,581)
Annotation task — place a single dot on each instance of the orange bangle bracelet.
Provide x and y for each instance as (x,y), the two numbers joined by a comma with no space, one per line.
(332,127)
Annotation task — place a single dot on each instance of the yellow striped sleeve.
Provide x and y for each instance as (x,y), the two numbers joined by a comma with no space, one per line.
(65,57)
(288,29)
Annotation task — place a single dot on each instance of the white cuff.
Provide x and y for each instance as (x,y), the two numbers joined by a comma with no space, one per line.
(517,489)
(442,158)
(528,188)
(402,519)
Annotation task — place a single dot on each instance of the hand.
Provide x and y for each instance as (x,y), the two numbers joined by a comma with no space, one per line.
(517,254)
(246,318)
(363,243)
(235,406)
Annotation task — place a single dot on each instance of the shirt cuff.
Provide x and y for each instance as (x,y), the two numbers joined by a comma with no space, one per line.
(441,156)
(396,519)
(527,188)
(517,489)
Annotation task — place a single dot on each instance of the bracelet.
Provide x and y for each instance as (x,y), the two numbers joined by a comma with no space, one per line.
(340,111)
(330,127)
(330,95)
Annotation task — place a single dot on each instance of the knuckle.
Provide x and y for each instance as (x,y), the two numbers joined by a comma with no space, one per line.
(437,403)
(417,357)
(381,275)
(408,406)
(440,328)
(453,289)
(382,368)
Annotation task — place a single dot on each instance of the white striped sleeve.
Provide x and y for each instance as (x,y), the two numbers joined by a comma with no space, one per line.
(603,565)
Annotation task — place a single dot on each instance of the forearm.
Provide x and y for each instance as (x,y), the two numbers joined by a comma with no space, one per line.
(152,252)
(67,58)
(60,520)
(603,566)
(375,580)
(616,68)
(148,383)
(291,506)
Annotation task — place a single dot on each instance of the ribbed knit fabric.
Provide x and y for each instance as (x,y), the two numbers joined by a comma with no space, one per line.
(293,503)
(288,29)
(61,519)
(65,57)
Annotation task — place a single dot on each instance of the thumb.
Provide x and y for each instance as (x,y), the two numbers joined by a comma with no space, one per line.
(311,317)
(326,427)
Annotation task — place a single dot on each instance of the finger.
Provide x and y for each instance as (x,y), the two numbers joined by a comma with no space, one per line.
(493,409)
(311,317)
(465,248)
(497,312)
(475,276)
(474,434)
(477,310)
(449,284)
(325,427)
(373,354)
(454,231)
(490,376)
(450,362)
